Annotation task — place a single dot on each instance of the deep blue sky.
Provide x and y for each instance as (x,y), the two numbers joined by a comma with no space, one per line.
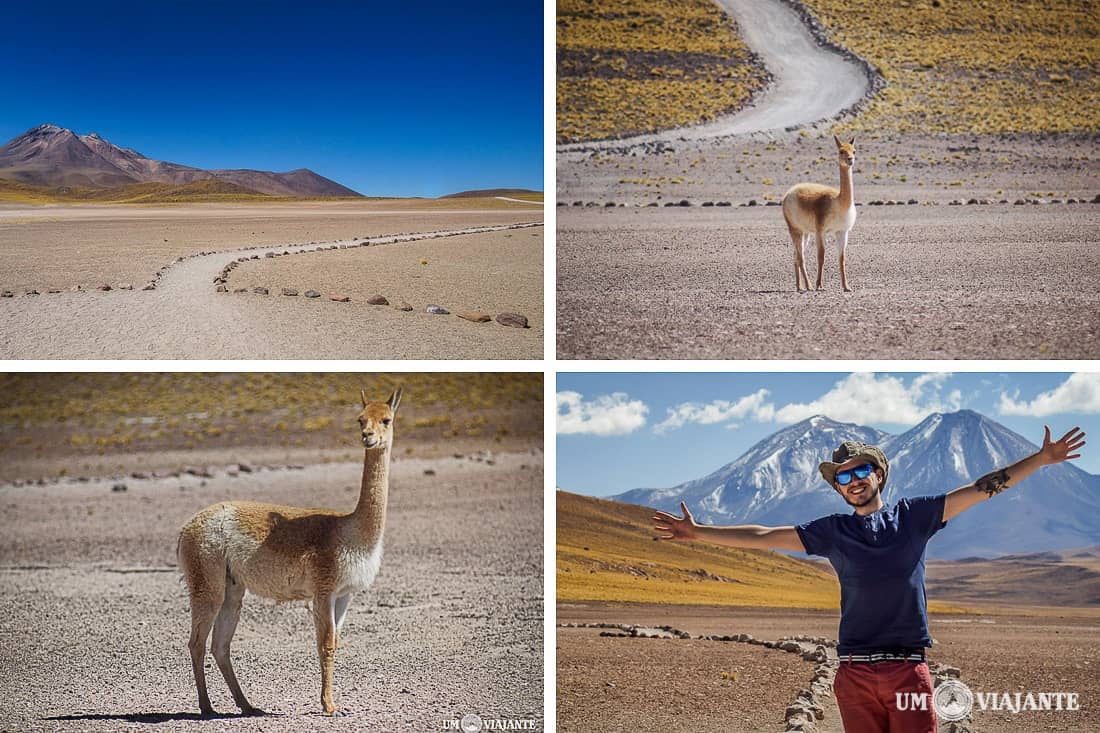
(388,98)
(627,442)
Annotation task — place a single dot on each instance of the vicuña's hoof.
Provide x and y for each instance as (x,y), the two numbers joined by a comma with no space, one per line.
(253,712)
(847,289)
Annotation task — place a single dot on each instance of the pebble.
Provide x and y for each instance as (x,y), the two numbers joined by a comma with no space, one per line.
(378,300)
(290,291)
(403,306)
(437,310)
(260,290)
(475,316)
(340,298)
(312,294)
(515,320)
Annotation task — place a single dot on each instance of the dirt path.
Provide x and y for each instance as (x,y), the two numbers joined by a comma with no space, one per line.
(184,318)
(96,622)
(810,82)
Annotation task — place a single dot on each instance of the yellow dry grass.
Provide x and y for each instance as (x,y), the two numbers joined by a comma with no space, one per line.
(606,552)
(633,66)
(980,66)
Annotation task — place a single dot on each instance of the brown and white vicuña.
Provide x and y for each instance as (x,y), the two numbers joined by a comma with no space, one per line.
(286,553)
(811,208)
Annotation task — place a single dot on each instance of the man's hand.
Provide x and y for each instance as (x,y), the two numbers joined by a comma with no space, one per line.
(677,528)
(1064,449)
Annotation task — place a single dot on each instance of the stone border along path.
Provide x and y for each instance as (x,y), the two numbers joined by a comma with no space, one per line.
(810,703)
(230,470)
(813,80)
(684,203)
(221,279)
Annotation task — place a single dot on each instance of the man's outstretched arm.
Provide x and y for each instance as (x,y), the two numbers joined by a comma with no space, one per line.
(748,536)
(993,483)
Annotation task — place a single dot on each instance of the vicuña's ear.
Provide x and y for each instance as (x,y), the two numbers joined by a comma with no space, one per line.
(837,141)
(395,399)
(363,396)
(852,142)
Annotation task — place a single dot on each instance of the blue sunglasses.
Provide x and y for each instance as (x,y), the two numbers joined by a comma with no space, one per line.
(861,472)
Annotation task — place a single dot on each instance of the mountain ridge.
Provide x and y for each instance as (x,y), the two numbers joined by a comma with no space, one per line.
(52,156)
(776,482)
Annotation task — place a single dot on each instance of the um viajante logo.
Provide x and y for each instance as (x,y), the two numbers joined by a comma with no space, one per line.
(953,700)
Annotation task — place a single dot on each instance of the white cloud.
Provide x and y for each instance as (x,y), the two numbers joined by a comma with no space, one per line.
(614,414)
(869,398)
(718,411)
(1079,393)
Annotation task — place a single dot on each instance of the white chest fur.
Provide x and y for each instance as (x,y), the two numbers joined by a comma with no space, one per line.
(357,567)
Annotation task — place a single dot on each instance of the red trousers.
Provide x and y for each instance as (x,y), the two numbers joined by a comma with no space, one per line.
(889,697)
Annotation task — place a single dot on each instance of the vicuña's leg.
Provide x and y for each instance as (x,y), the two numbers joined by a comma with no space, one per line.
(799,241)
(820,237)
(324,620)
(842,244)
(340,612)
(224,626)
(204,607)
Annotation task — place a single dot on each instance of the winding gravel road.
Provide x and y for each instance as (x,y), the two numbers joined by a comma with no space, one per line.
(184,318)
(810,82)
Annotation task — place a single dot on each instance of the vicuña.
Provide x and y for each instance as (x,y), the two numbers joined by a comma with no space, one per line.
(811,208)
(286,553)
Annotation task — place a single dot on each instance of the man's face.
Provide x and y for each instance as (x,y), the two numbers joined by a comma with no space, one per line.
(859,492)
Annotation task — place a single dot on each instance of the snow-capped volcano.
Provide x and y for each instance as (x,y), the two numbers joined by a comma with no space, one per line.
(777,483)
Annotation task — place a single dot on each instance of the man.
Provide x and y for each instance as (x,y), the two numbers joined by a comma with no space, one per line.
(878,554)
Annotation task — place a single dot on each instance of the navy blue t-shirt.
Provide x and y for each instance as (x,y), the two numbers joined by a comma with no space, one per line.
(880,561)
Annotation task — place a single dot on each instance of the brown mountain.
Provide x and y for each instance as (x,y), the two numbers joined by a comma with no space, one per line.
(53,156)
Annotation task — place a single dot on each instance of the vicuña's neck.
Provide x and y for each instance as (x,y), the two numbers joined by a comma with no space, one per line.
(846,197)
(370,512)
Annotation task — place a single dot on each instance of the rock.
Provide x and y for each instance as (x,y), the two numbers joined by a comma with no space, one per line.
(53,290)
(103,286)
(139,475)
(221,289)
(150,286)
(125,286)
(437,310)
(32,291)
(118,488)
(259,290)
(290,291)
(429,471)
(240,290)
(7,294)
(475,316)
(378,300)
(403,306)
(515,320)
(340,298)
(312,294)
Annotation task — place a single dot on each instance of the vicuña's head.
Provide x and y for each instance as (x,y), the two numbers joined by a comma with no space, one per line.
(846,151)
(376,419)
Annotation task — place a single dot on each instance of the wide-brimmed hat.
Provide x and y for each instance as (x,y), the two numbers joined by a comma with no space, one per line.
(850,449)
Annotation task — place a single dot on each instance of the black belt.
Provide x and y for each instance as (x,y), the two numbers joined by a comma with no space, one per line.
(884,655)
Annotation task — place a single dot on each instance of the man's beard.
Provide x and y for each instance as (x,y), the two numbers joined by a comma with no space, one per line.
(863,499)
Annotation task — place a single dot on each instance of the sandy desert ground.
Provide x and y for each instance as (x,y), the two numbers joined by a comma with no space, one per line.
(641,276)
(61,248)
(96,620)
(607,684)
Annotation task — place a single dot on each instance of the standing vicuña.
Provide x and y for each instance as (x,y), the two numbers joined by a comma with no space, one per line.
(286,553)
(811,208)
